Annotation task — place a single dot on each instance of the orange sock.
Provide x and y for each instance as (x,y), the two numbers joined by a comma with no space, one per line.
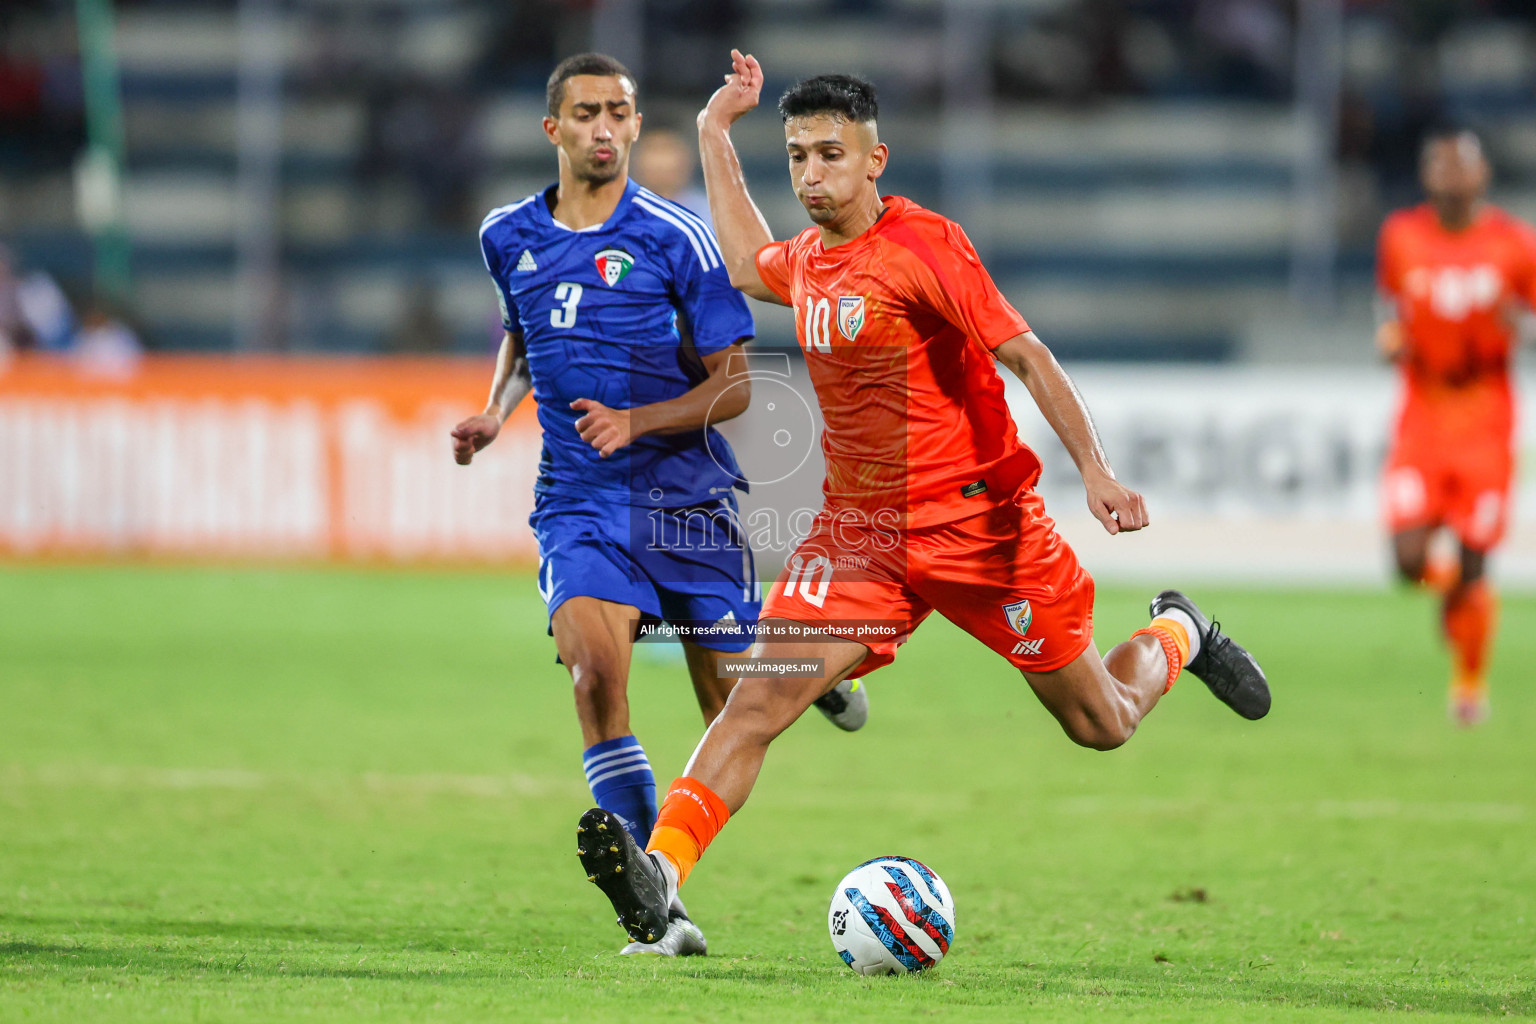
(690,818)
(1468,618)
(1175,640)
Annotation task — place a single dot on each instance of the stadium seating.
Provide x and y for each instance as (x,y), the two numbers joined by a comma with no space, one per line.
(1148,227)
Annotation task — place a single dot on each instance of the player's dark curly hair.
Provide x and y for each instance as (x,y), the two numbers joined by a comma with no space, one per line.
(580,64)
(842,96)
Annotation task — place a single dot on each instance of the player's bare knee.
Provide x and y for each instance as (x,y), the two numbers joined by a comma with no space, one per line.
(761,708)
(1100,738)
(597,684)
(1410,550)
(1410,568)
(757,706)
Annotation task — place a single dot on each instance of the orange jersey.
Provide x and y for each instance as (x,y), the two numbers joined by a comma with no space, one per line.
(1006,577)
(898,327)
(1457,294)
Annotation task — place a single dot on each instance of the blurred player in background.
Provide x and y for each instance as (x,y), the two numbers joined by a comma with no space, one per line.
(930,503)
(664,163)
(634,512)
(1455,272)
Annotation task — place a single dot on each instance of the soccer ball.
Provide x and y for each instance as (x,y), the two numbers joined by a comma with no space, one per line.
(891,915)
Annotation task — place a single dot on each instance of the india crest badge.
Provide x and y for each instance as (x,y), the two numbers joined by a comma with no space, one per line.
(1020,615)
(850,315)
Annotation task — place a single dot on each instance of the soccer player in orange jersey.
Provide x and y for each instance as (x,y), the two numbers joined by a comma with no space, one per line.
(929,503)
(1454,273)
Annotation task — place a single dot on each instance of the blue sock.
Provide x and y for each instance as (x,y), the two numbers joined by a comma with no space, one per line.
(622,784)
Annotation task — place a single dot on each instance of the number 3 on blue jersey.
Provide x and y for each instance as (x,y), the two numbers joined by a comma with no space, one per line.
(568,294)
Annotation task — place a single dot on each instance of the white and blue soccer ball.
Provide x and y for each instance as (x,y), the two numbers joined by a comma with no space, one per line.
(891,915)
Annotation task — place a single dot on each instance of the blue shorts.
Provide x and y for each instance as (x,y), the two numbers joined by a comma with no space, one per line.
(690,567)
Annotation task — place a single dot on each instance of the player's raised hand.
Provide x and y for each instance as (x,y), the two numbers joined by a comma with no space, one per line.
(1115,505)
(473,434)
(603,428)
(742,89)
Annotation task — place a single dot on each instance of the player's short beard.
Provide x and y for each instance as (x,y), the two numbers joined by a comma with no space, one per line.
(592,176)
(590,173)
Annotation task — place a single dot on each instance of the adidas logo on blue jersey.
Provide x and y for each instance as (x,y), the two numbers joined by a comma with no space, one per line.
(725,624)
(525,262)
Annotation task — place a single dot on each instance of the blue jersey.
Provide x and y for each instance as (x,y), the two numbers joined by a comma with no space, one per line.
(599,313)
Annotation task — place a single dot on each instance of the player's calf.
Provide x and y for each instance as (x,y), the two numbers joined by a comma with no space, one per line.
(1100,702)
(1095,732)
(764,706)
(724,768)
(710,688)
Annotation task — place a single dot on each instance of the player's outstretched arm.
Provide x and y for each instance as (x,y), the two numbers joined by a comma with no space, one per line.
(513,381)
(1112,503)
(739,224)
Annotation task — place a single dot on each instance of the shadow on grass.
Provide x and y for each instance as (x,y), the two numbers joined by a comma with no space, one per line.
(266,963)
(1015,984)
(1244,985)
(976,985)
(435,940)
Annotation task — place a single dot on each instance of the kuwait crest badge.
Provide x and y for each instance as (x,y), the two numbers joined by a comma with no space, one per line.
(850,315)
(613,265)
(1020,615)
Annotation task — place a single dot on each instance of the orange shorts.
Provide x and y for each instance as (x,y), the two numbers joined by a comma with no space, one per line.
(1004,576)
(1465,487)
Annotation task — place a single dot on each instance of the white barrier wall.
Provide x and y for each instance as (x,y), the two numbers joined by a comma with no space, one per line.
(1250,474)
(208,457)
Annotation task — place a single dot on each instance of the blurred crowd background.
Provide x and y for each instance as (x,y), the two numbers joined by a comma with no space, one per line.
(1193,180)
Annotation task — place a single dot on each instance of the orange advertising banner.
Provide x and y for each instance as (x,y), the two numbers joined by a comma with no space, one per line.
(260,457)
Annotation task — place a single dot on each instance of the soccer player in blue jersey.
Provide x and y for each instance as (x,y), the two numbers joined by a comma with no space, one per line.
(601,282)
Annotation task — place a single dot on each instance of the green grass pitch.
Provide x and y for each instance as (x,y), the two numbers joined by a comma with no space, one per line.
(232,795)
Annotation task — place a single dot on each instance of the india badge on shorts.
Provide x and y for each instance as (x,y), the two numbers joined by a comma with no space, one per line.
(850,315)
(1020,615)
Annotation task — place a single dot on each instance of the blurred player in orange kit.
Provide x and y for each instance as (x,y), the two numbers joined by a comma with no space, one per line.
(1454,272)
(929,496)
